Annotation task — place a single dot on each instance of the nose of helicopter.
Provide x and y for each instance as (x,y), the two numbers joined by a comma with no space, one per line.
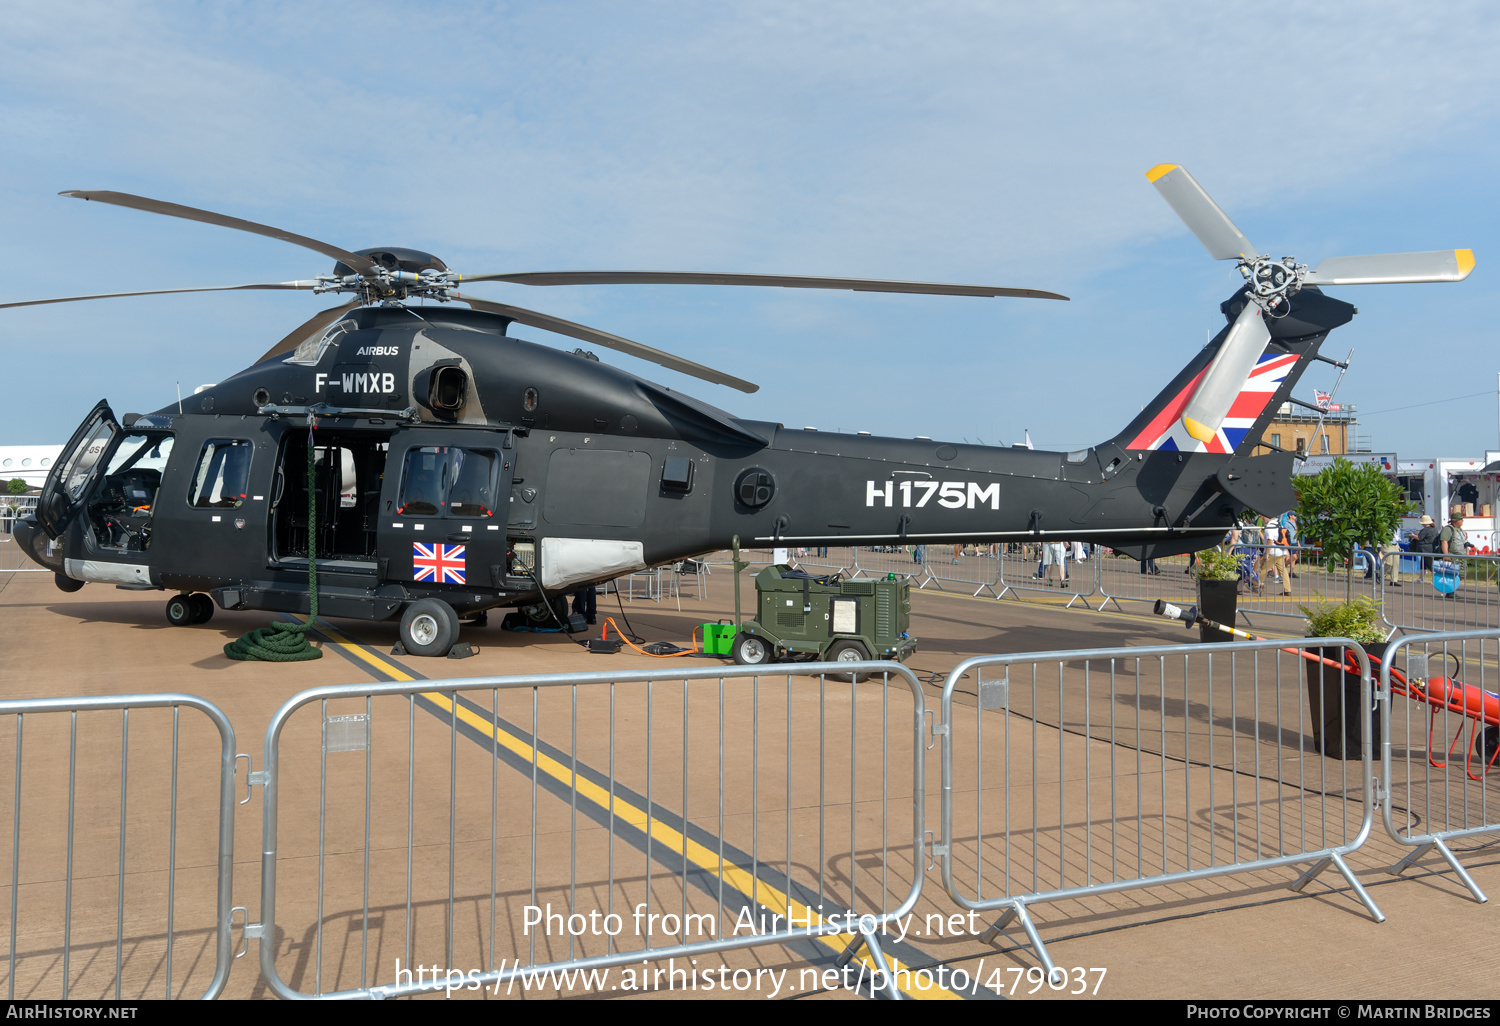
(33,541)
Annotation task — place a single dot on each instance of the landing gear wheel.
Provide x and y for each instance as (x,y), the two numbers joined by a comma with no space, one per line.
(66,583)
(752,650)
(203,607)
(180,611)
(848,652)
(1486,742)
(429,627)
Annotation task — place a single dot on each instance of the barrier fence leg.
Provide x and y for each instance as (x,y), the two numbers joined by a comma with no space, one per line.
(866,939)
(1018,911)
(1422,849)
(1343,867)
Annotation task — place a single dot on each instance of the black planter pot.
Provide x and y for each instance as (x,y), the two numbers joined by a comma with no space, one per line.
(1217,600)
(1333,702)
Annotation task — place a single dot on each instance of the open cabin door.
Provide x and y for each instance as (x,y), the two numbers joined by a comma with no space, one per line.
(77,470)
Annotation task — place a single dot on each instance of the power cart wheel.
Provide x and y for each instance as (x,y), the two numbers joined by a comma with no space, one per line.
(180,611)
(848,652)
(203,607)
(1486,742)
(429,627)
(752,650)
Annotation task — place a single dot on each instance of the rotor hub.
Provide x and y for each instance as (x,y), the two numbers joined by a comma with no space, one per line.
(1273,282)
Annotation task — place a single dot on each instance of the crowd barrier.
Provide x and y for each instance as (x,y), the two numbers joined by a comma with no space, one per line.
(1439,738)
(535,828)
(80,923)
(1433,593)
(1088,772)
(716,800)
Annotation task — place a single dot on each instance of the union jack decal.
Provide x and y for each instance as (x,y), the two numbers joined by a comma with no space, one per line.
(1166,432)
(438,563)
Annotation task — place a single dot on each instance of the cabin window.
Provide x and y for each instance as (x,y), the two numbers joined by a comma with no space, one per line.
(223,473)
(449,481)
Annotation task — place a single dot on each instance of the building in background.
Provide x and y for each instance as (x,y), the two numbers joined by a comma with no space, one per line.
(1296,428)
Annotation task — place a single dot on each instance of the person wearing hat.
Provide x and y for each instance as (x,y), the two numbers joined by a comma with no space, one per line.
(1424,541)
(1453,542)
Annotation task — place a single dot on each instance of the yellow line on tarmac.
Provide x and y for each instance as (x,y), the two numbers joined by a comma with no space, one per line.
(673,840)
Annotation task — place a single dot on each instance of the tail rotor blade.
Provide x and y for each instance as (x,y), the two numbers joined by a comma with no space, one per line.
(1227,374)
(1200,213)
(1393,268)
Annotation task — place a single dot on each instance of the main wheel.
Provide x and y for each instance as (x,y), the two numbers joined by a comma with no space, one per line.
(203,607)
(180,611)
(752,650)
(66,583)
(848,652)
(429,627)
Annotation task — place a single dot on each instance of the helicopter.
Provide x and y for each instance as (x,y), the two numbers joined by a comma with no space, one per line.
(434,467)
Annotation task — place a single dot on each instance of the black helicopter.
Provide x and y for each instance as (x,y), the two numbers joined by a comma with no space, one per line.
(455,468)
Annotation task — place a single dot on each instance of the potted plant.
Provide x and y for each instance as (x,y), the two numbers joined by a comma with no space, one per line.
(1333,694)
(1218,575)
(1339,508)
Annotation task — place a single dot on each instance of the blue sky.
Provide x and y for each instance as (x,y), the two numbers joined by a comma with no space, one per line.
(969,142)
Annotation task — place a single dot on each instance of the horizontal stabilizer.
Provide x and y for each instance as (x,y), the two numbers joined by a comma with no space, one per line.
(1262,483)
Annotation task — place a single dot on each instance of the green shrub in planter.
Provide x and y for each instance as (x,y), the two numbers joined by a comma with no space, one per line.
(1358,619)
(1333,695)
(1214,565)
(1218,576)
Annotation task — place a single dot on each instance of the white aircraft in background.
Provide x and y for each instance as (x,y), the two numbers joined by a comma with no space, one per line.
(31,463)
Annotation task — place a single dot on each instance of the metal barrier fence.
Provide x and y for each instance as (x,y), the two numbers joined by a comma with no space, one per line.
(715,800)
(1439,737)
(1308,581)
(1433,593)
(1094,771)
(167,892)
(12,557)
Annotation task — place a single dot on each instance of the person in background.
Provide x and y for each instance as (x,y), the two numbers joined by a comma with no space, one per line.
(584,603)
(1390,559)
(1454,540)
(1053,556)
(1290,540)
(1424,543)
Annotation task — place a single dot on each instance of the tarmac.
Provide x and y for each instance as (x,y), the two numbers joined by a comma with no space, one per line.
(77,902)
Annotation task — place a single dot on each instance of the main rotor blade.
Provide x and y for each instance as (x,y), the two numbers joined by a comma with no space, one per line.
(1393,268)
(364,265)
(604,338)
(1200,213)
(1226,375)
(786,281)
(314,324)
(305,284)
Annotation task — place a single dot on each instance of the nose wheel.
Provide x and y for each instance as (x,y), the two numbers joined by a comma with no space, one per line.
(186,610)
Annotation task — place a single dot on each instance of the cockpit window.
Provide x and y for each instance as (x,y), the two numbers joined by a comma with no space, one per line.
(449,481)
(312,348)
